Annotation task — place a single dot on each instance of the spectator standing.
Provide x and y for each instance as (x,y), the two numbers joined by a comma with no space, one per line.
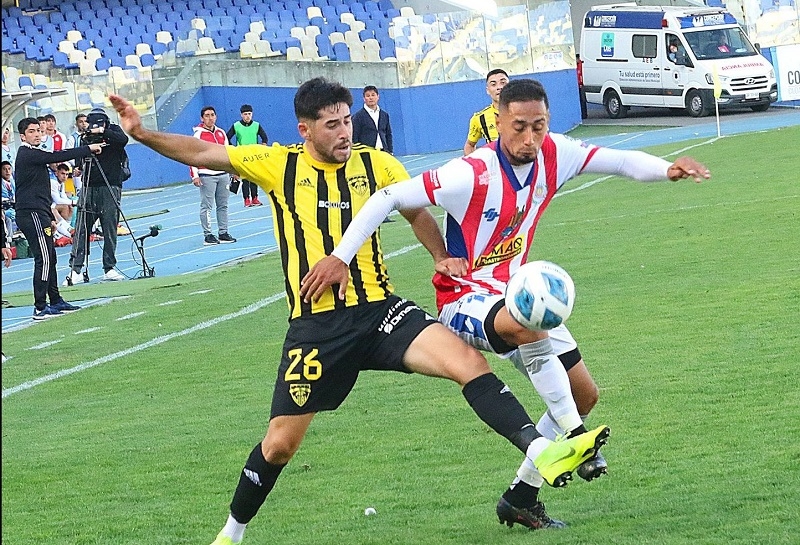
(213,183)
(9,198)
(35,216)
(246,132)
(55,140)
(371,125)
(102,184)
(482,125)
(74,141)
(9,152)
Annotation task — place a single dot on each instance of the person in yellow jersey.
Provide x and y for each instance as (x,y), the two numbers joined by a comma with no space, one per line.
(315,189)
(482,124)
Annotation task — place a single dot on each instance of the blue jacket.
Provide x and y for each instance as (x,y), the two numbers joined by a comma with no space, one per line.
(364,131)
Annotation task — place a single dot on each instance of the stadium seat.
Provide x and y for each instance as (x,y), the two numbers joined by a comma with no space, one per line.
(93,53)
(147,60)
(205,46)
(25,82)
(406,11)
(86,67)
(74,36)
(143,49)
(341,52)
(264,49)
(102,64)
(164,36)
(247,50)
(65,46)
(294,54)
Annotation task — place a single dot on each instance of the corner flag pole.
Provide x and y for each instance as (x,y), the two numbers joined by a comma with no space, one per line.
(717,94)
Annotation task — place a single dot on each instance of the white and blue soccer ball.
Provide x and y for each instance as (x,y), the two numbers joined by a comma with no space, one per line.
(540,295)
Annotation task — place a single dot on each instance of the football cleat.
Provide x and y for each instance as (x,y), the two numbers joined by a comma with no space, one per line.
(535,517)
(223,540)
(561,457)
(593,467)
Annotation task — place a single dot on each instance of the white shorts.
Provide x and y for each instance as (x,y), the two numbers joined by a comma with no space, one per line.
(467,318)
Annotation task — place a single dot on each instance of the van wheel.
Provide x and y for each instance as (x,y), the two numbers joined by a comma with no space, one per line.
(695,104)
(614,107)
(760,107)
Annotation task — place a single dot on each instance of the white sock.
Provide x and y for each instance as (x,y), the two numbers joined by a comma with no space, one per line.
(63,227)
(548,427)
(233,529)
(550,379)
(527,472)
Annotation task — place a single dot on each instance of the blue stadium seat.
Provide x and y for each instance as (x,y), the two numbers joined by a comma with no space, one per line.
(119,11)
(341,52)
(56,17)
(324,45)
(83,45)
(40,18)
(83,5)
(149,9)
(82,25)
(103,14)
(72,16)
(366,34)
(134,10)
(61,60)
(32,53)
(102,64)
(147,60)
(165,7)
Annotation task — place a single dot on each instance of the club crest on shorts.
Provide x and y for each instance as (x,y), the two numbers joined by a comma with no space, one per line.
(300,393)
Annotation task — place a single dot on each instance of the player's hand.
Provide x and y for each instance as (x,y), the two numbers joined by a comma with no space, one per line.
(96,148)
(129,118)
(327,272)
(7,257)
(452,266)
(686,167)
(197,181)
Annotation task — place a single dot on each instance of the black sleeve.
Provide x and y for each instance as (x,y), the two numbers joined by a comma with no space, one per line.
(114,135)
(42,157)
(231,133)
(356,121)
(262,134)
(388,142)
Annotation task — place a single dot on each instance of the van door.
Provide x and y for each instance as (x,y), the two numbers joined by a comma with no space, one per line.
(640,82)
(674,67)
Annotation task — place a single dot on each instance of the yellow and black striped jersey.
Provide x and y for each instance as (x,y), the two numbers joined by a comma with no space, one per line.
(482,125)
(312,204)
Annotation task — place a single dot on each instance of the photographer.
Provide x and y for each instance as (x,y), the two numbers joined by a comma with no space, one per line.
(100,196)
(34,214)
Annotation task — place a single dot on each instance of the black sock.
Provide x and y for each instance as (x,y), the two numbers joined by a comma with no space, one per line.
(577,431)
(522,495)
(494,403)
(255,483)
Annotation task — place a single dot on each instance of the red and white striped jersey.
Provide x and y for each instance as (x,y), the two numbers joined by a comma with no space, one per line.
(491,215)
(217,136)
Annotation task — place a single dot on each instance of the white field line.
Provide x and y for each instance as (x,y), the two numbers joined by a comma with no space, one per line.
(247,310)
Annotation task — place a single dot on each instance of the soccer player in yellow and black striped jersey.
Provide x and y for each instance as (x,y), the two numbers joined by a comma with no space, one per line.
(482,124)
(315,189)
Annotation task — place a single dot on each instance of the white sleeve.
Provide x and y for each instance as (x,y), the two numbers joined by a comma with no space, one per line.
(638,165)
(55,193)
(400,196)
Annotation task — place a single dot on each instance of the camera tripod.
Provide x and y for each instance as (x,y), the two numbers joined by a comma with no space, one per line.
(86,211)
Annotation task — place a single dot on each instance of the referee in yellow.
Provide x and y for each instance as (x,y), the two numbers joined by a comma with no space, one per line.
(482,125)
(315,189)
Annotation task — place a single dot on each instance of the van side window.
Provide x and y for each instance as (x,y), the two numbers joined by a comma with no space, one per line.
(645,46)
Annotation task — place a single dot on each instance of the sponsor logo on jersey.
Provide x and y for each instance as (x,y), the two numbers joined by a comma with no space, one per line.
(300,393)
(484,177)
(359,184)
(255,157)
(339,205)
(504,251)
(394,317)
(491,214)
(516,219)
(433,178)
(539,192)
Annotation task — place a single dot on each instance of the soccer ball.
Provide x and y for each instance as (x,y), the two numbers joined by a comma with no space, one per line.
(540,295)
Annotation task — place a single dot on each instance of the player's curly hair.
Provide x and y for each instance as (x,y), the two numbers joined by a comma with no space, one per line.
(523,90)
(318,93)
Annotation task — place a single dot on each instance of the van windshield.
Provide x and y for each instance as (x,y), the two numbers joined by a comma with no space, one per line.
(720,43)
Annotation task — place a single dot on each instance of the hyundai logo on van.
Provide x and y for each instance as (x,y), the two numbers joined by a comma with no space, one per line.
(750,81)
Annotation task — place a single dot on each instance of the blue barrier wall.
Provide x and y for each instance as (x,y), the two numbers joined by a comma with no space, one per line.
(425,119)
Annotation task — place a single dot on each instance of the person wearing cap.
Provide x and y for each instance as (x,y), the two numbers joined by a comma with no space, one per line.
(102,183)
(248,131)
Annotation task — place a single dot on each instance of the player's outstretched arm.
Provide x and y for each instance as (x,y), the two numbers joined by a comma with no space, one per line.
(184,149)
(687,167)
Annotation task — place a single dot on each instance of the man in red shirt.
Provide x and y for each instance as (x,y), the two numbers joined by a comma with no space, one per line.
(213,184)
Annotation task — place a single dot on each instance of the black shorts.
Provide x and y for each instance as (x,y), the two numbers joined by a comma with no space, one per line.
(323,353)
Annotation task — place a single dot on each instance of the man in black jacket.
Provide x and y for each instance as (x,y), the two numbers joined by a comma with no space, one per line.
(34,214)
(102,182)
(371,124)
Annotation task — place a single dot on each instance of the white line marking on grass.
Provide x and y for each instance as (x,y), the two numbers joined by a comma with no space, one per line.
(166,303)
(89,330)
(129,316)
(139,347)
(45,344)
(201,292)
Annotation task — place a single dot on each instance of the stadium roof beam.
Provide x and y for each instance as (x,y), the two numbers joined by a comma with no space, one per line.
(14,101)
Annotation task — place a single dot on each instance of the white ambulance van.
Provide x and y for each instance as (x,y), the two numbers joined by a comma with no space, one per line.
(667,56)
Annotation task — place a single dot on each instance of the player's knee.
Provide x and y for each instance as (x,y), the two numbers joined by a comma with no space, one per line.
(586,397)
(279,450)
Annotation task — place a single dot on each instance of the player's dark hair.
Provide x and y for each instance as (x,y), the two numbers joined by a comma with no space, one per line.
(49,117)
(26,122)
(246,108)
(62,166)
(370,88)
(495,72)
(523,90)
(205,109)
(4,163)
(77,117)
(318,93)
